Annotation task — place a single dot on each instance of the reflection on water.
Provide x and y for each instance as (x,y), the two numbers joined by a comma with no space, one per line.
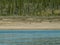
(19,37)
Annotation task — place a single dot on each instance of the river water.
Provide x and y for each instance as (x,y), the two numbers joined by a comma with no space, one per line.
(29,37)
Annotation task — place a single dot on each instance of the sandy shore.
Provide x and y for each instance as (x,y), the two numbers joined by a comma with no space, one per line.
(20,25)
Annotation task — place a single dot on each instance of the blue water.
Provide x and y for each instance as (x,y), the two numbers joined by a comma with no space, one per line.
(8,37)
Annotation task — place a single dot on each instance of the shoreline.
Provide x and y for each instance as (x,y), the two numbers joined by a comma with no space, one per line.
(32,26)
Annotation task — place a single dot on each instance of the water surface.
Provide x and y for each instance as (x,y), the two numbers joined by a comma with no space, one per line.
(29,37)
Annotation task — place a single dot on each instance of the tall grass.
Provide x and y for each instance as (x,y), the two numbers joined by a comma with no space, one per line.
(29,7)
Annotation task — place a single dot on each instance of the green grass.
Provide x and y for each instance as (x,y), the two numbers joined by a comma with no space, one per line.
(29,7)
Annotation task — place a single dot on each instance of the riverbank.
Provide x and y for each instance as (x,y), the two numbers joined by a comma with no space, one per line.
(30,26)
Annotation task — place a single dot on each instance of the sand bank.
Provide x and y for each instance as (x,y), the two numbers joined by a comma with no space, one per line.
(20,25)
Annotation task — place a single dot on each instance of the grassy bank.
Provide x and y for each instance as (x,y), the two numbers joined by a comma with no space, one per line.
(30,8)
